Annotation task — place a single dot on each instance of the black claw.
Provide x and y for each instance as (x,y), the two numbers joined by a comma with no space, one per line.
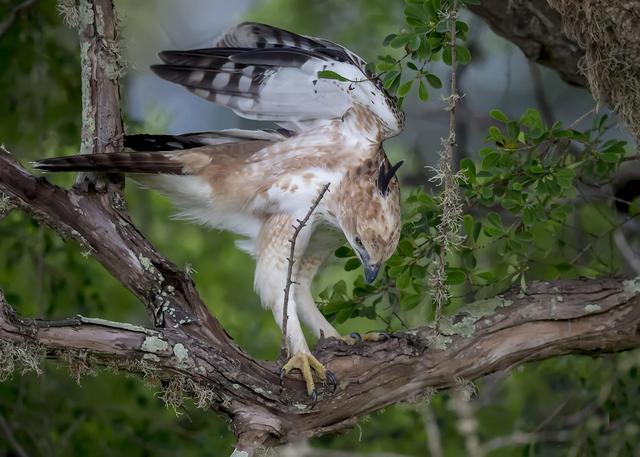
(356,336)
(282,373)
(332,380)
(384,336)
(314,396)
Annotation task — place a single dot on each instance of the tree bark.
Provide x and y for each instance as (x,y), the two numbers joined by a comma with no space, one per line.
(562,317)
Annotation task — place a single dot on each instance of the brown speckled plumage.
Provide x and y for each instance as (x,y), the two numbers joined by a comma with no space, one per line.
(258,183)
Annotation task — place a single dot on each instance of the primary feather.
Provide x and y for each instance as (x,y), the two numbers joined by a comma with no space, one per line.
(263,73)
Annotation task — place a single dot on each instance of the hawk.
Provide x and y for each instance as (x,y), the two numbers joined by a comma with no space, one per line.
(258,183)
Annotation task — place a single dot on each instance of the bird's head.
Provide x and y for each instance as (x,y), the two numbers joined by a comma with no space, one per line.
(370,214)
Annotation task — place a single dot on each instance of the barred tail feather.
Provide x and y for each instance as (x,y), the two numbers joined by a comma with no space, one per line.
(121,162)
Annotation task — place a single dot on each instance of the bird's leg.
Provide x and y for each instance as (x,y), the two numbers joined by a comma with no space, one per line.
(301,358)
(312,316)
(270,280)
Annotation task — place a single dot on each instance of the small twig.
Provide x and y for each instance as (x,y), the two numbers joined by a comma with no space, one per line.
(467,423)
(632,259)
(13,15)
(434,438)
(4,426)
(575,123)
(539,92)
(523,438)
(291,260)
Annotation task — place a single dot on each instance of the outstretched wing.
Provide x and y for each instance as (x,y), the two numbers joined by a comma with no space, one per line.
(266,73)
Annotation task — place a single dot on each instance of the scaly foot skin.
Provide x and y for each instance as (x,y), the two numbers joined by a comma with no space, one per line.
(307,363)
(355,337)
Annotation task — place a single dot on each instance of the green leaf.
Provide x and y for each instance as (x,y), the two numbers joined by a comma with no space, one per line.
(487,276)
(328,74)
(422,92)
(433,81)
(403,281)
(499,115)
(490,160)
(410,301)
(344,252)
(468,222)
(405,247)
(385,66)
(455,276)
(463,54)
(496,134)
(469,168)
(388,39)
(405,88)
(446,55)
(415,12)
(401,40)
(495,220)
(414,43)
(343,315)
(390,79)
(352,264)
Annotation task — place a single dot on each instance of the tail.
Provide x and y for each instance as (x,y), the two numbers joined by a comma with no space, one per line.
(119,162)
(161,154)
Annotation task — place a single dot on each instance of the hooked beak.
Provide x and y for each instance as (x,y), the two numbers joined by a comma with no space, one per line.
(370,272)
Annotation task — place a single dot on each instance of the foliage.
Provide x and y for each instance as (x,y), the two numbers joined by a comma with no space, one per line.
(519,197)
(526,218)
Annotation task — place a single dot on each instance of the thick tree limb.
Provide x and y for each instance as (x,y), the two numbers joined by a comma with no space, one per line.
(552,319)
(537,30)
(189,353)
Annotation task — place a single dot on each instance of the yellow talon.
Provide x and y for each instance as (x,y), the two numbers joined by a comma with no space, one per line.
(307,363)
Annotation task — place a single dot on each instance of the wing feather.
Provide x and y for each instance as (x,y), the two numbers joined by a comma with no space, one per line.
(265,73)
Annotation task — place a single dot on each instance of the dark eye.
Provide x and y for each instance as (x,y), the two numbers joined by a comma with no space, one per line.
(359,241)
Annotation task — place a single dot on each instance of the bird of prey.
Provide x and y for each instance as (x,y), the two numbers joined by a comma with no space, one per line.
(258,183)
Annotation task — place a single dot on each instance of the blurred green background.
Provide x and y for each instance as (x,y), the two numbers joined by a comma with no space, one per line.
(575,405)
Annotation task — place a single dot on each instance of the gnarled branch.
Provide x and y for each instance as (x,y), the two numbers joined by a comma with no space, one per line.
(537,30)
(188,351)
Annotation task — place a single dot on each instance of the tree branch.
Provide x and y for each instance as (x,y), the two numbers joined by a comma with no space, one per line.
(11,17)
(102,129)
(537,30)
(578,316)
(189,353)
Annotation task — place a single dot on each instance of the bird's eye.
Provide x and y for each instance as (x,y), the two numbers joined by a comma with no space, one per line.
(359,241)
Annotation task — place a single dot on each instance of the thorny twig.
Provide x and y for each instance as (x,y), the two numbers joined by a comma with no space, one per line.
(296,231)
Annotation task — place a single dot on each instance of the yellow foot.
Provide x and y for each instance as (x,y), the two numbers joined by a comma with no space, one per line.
(355,337)
(306,362)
